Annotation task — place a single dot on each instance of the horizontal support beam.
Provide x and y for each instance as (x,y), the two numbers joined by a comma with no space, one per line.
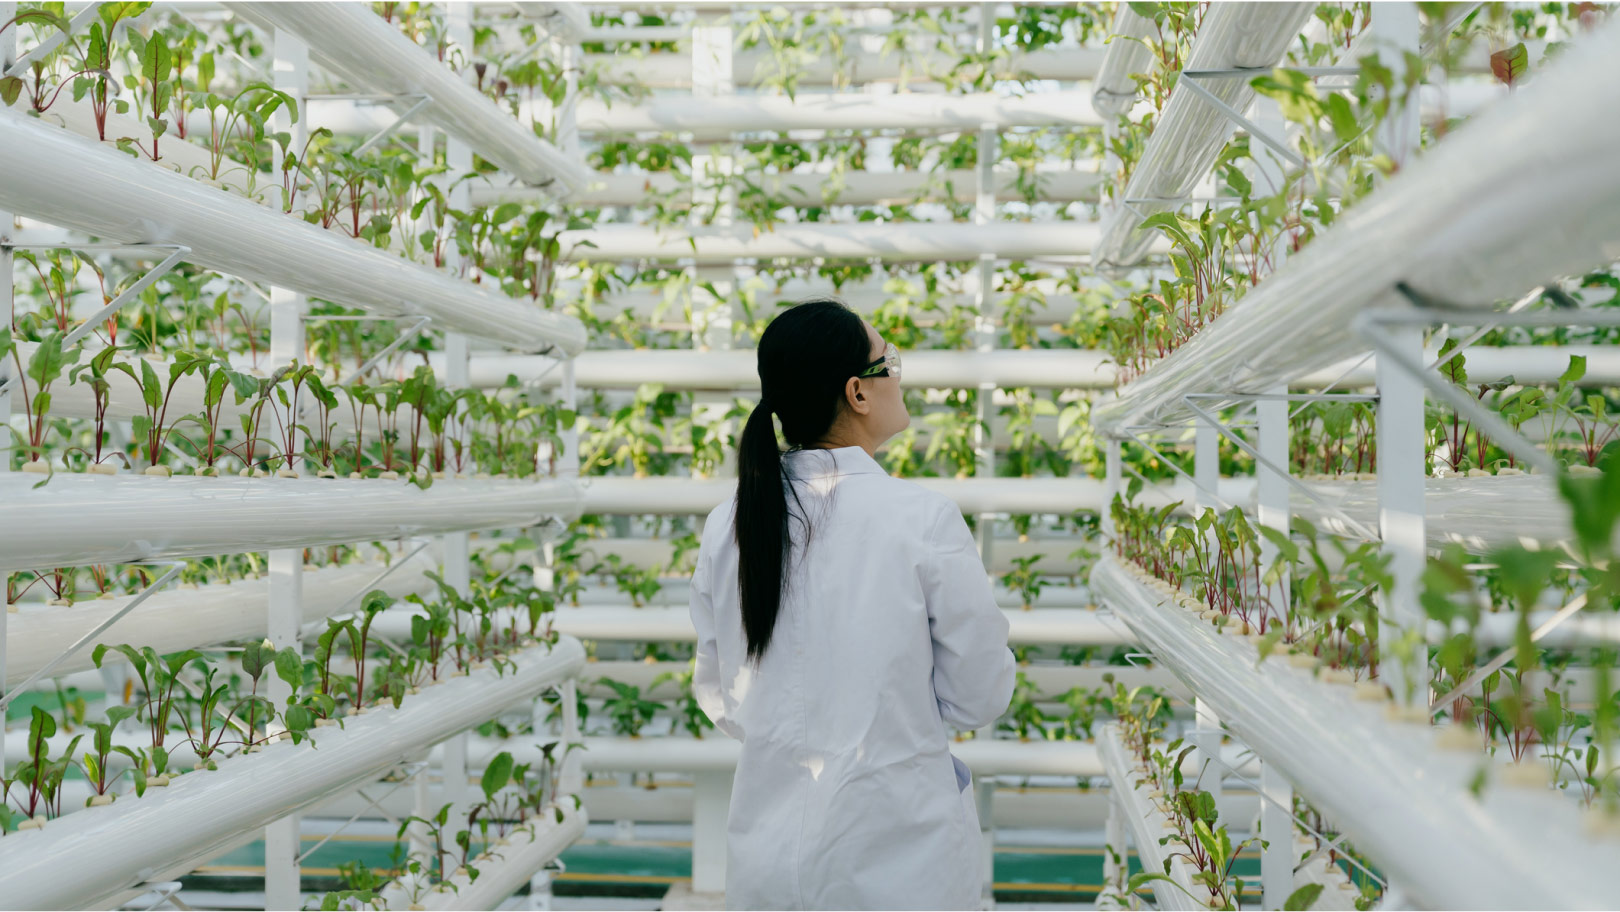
(176,619)
(798,188)
(896,242)
(76,520)
(708,118)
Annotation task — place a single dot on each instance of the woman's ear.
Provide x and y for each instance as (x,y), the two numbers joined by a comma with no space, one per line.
(855,397)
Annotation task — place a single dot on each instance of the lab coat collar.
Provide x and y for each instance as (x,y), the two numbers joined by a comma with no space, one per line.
(850,460)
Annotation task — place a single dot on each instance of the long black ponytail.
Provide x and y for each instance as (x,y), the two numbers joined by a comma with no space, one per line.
(806,355)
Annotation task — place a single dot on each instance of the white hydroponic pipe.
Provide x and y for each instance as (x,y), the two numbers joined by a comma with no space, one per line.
(90,187)
(176,619)
(1040,626)
(1147,824)
(808,188)
(1478,513)
(716,117)
(86,519)
(907,241)
(662,70)
(658,552)
(352,41)
(694,369)
(1406,802)
(625,495)
(1113,92)
(1437,227)
(716,753)
(503,871)
(169,831)
(1191,131)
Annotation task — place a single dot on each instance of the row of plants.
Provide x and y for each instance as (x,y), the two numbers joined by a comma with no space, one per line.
(1312,603)
(214,708)
(413,427)
(1221,250)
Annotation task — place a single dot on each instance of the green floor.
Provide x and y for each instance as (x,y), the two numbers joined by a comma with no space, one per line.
(645,868)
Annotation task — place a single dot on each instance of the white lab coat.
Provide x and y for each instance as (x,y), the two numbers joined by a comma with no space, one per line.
(846,795)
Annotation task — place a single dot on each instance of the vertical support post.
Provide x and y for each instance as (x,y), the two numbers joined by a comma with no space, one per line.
(1111,486)
(8,56)
(1207,725)
(984,802)
(457,545)
(714,288)
(984,444)
(1276,822)
(711,805)
(282,878)
(1401,470)
(282,887)
(1116,854)
(1396,31)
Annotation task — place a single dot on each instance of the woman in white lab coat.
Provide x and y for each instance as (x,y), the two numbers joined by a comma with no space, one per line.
(844,619)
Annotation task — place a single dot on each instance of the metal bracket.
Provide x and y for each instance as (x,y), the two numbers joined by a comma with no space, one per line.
(407,770)
(177,252)
(409,333)
(39,51)
(421,101)
(1232,114)
(1484,671)
(174,568)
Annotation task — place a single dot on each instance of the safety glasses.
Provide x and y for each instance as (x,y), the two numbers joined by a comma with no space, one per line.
(886,366)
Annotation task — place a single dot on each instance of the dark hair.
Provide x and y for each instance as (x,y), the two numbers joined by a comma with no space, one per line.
(806,355)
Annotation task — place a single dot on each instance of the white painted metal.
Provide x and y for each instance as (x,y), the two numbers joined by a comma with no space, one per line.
(908,241)
(178,619)
(502,872)
(1190,132)
(809,188)
(93,188)
(724,371)
(1043,626)
(674,71)
(712,119)
(171,830)
(77,520)
(623,494)
(1402,800)
(1146,823)
(1433,226)
(1114,92)
(371,55)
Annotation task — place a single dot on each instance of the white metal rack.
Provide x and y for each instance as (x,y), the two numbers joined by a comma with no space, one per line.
(1404,801)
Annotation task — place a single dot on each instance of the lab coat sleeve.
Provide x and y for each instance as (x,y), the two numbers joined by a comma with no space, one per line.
(706,673)
(973,668)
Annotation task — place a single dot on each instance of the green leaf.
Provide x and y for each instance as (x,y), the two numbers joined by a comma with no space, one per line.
(1510,64)
(497,773)
(1303,898)
(290,668)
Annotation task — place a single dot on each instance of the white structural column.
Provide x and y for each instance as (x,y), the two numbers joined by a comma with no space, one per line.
(712,316)
(457,566)
(1206,724)
(984,212)
(8,54)
(1277,801)
(1400,429)
(282,878)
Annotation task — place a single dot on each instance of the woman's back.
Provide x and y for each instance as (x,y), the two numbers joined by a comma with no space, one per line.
(846,795)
